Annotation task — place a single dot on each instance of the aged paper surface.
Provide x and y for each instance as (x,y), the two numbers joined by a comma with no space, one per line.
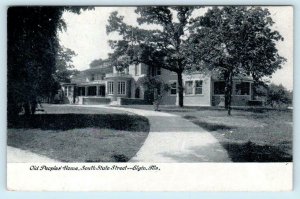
(170,177)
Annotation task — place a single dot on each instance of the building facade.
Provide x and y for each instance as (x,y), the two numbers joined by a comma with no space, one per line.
(106,85)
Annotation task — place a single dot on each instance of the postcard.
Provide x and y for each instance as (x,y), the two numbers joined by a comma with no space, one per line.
(150,98)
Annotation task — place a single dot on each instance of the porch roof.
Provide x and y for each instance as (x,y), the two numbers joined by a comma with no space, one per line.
(216,77)
(92,83)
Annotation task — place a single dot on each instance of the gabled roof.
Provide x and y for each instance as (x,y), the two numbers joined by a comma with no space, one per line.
(100,69)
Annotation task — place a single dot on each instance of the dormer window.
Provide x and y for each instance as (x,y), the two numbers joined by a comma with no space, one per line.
(92,77)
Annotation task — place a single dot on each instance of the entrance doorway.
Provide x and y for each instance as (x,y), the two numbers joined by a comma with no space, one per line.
(101,90)
(137,93)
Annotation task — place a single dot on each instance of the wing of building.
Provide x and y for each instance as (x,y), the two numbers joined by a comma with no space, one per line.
(105,85)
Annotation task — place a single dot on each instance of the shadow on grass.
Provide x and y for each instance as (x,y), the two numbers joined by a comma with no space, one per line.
(251,152)
(211,126)
(73,121)
(247,151)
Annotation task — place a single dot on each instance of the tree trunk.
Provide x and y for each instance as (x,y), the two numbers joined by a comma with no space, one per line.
(155,100)
(33,106)
(253,91)
(13,110)
(27,110)
(228,92)
(254,86)
(180,89)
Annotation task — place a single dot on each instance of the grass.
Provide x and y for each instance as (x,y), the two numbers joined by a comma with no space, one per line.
(80,135)
(249,135)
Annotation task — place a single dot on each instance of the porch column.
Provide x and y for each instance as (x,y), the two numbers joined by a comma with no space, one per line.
(97,90)
(250,91)
(67,90)
(86,90)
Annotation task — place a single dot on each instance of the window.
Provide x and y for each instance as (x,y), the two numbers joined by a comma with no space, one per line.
(219,88)
(92,77)
(97,77)
(121,88)
(242,88)
(70,91)
(66,91)
(155,71)
(198,86)
(173,89)
(158,71)
(189,87)
(110,88)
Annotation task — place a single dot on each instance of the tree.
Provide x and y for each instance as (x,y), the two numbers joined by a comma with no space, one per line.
(32,51)
(96,62)
(64,70)
(161,47)
(278,95)
(64,65)
(237,41)
(158,88)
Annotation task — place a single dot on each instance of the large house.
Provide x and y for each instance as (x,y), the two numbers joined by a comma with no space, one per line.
(106,85)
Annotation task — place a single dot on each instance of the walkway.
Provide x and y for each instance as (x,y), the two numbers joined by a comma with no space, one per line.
(171,139)
(174,139)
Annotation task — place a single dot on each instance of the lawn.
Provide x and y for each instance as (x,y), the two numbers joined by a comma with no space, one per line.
(78,134)
(249,135)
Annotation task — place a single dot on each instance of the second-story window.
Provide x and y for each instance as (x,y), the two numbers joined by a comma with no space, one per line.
(121,88)
(92,77)
(110,89)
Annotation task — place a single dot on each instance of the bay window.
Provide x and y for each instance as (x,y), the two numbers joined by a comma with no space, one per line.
(121,88)
(110,88)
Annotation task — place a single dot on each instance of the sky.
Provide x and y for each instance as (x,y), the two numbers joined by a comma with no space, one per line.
(86,35)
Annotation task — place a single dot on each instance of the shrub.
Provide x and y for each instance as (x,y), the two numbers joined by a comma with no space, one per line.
(278,95)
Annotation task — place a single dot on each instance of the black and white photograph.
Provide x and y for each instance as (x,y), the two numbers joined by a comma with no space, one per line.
(133,85)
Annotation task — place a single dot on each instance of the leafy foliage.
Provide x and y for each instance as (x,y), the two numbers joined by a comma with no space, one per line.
(64,65)
(96,62)
(163,46)
(236,41)
(157,87)
(33,50)
(278,95)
